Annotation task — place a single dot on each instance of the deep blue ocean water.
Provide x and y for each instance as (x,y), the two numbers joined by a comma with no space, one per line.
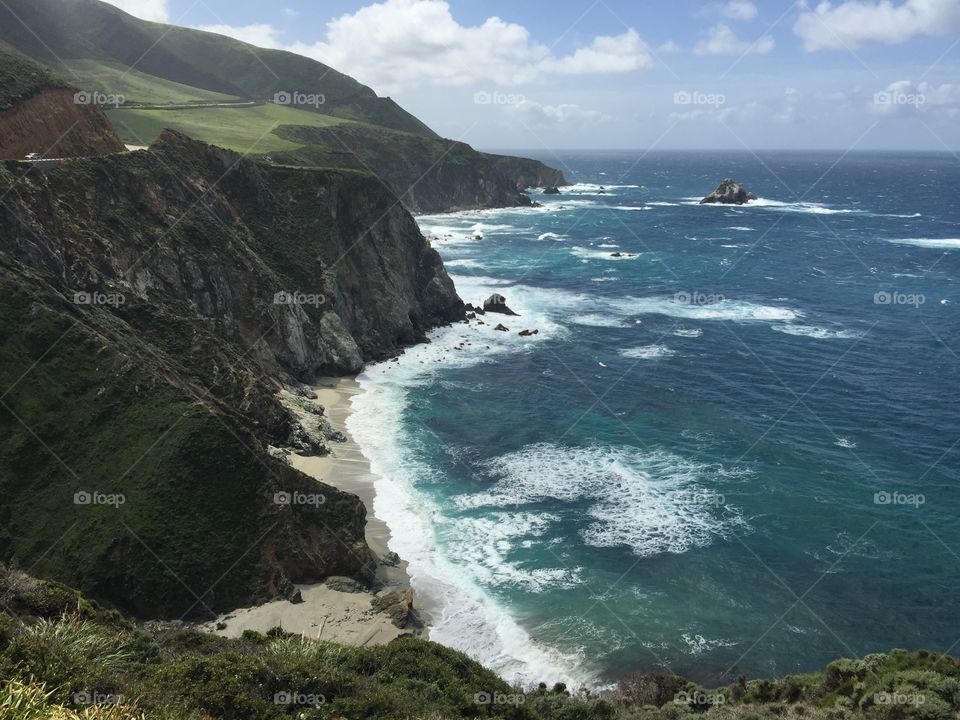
(731,450)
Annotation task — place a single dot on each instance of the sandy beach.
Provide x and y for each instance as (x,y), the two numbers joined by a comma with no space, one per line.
(330,613)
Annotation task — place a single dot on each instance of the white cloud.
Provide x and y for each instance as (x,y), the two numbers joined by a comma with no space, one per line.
(855,22)
(400,43)
(721,40)
(623,53)
(155,10)
(740,10)
(556,114)
(265,36)
(668,48)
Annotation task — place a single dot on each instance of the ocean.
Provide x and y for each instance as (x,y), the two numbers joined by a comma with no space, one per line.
(730,449)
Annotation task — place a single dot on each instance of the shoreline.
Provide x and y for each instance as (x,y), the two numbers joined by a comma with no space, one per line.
(337,609)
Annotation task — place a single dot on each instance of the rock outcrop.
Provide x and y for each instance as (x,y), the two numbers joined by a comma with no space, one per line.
(729,192)
(497,303)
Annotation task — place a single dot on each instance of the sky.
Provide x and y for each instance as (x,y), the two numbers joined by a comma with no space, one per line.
(618,74)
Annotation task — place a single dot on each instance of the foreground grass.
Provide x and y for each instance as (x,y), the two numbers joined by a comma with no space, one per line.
(64,657)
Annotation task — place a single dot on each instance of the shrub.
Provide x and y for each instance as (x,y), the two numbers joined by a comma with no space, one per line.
(68,651)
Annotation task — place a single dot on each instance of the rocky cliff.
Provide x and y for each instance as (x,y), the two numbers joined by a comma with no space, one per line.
(153,303)
(429,174)
(526,173)
(39,113)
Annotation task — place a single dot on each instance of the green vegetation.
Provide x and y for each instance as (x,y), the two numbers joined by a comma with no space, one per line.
(112,78)
(58,656)
(94,31)
(350,128)
(243,129)
(20,78)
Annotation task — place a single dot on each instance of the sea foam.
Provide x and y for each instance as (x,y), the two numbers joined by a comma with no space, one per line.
(932,243)
(648,352)
(724,309)
(649,501)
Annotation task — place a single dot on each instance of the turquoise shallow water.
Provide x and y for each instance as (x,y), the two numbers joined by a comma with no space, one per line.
(731,449)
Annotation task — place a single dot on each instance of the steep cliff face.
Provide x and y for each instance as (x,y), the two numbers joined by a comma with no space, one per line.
(151,304)
(526,173)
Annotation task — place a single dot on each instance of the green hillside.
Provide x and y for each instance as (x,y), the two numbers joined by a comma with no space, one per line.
(249,130)
(137,87)
(20,78)
(63,31)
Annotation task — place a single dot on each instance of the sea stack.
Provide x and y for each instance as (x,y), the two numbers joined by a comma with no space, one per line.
(729,192)
(497,304)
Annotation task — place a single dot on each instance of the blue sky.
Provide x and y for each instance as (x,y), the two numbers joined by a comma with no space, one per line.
(847,74)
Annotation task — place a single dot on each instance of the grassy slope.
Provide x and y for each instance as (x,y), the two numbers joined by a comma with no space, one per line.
(137,87)
(89,29)
(246,129)
(50,636)
(20,78)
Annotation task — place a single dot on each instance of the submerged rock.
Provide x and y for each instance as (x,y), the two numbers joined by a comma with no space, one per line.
(729,192)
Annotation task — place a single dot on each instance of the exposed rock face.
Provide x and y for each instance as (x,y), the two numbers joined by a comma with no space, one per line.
(553,190)
(311,271)
(52,124)
(156,300)
(729,192)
